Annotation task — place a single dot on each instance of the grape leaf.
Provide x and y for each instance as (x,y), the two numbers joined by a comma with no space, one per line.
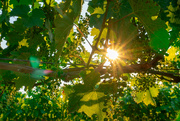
(64,23)
(20,2)
(178,117)
(20,10)
(144,10)
(163,3)
(36,18)
(154,91)
(24,80)
(139,97)
(147,96)
(124,29)
(172,53)
(91,79)
(0,4)
(23,43)
(91,104)
(159,40)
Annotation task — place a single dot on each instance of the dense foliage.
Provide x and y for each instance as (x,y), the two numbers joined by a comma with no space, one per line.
(47,46)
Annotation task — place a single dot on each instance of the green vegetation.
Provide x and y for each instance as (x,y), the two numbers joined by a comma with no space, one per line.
(47,54)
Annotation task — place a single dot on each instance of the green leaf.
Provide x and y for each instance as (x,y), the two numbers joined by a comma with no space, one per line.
(91,104)
(20,10)
(90,79)
(20,2)
(64,23)
(62,30)
(0,5)
(159,40)
(123,28)
(144,10)
(34,62)
(35,19)
(178,117)
(24,80)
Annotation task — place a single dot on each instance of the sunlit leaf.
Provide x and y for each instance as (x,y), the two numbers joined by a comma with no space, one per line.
(91,104)
(139,96)
(148,99)
(154,91)
(98,11)
(172,53)
(23,43)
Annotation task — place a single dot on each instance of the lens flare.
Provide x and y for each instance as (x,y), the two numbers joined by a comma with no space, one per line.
(112,54)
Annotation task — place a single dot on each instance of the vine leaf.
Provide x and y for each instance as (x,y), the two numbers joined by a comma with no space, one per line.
(20,2)
(36,18)
(147,96)
(24,80)
(144,10)
(139,97)
(64,23)
(172,54)
(91,104)
(121,24)
(20,10)
(91,79)
(86,98)
(154,91)
(95,32)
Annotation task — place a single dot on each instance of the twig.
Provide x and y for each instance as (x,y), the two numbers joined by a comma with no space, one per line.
(83,35)
(98,39)
(79,58)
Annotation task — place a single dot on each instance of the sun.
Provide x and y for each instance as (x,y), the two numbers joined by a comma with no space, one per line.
(112,54)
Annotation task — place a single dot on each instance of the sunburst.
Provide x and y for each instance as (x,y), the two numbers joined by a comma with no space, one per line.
(112,54)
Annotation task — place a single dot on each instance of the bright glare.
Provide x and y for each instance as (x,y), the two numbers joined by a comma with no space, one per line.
(112,54)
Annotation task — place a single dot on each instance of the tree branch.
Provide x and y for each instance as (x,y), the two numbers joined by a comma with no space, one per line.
(68,74)
(71,73)
(175,78)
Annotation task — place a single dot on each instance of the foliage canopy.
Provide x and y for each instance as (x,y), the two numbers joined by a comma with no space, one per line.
(45,48)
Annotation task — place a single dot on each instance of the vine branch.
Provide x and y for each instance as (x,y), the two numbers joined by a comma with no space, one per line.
(98,39)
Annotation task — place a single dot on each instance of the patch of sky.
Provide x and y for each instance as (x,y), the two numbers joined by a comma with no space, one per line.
(3,44)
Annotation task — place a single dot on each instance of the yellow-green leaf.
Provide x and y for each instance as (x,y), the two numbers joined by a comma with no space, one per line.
(139,97)
(172,53)
(23,43)
(92,104)
(98,10)
(154,91)
(148,99)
